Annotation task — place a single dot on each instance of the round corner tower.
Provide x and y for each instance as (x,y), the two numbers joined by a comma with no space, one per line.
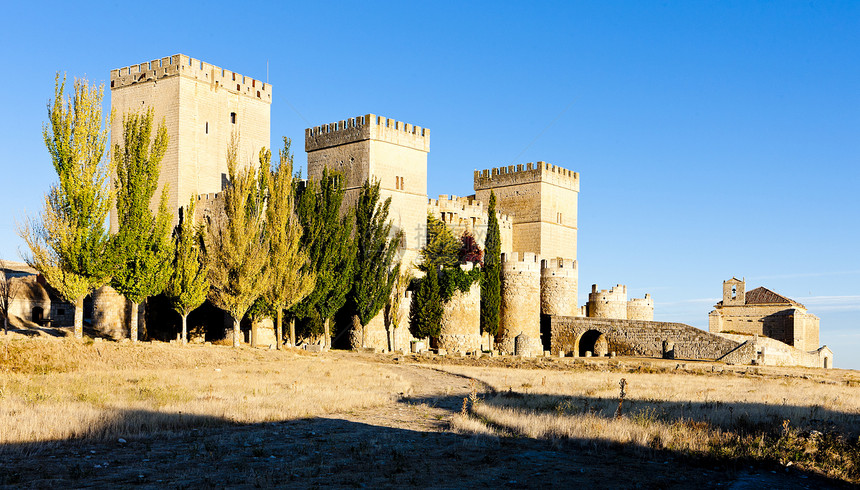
(461,319)
(608,304)
(641,308)
(558,287)
(519,315)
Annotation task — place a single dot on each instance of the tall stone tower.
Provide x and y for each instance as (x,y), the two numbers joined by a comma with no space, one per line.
(372,147)
(542,200)
(202,107)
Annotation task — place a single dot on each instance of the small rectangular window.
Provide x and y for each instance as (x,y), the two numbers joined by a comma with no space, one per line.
(207,127)
(233,118)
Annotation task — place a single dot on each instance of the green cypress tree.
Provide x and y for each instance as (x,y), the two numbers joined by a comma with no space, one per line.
(327,237)
(69,244)
(376,248)
(442,248)
(141,249)
(292,279)
(425,312)
(491,281)
(236,244)
(188,285)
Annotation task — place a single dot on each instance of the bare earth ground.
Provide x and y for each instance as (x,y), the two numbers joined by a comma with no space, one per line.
(406,442)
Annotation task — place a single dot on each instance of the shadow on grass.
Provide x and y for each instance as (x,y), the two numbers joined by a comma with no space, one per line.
(192,451)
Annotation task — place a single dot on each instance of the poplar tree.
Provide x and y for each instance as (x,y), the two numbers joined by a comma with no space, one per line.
(327,237)
(292,279)
(237,248)
(141,248)
(491,280)
(188,285)
(69,244)
(375,268)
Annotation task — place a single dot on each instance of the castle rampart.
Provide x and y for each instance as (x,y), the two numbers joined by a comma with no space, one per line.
(641,308)
(461,320)
(530,173)
(182,65)
(367,127)
(520,306)
(558,287)
(608,304)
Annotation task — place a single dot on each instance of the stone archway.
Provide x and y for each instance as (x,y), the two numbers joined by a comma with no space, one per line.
(592,341)
(827,362)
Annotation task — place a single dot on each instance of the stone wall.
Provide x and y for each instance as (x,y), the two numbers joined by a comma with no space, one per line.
(558,287)
(520,307)
(770,352)
(641,308)
(637,337)
(111,312)
(790,325)
(461,321)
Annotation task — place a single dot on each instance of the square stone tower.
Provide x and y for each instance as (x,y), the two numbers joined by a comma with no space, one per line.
(202,106)
(541,199)
(373,147)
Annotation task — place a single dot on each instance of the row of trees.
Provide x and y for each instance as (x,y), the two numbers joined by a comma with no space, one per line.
(275,246)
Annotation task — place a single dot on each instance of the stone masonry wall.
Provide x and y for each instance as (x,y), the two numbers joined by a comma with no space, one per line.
(558,285)
(641,308)
(461,322)
(638,337)
(520,308)
(608,304)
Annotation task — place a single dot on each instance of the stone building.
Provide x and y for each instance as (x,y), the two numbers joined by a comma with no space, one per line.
(766,313)
(374,148)
(32,300)
(203,107)
(541,199)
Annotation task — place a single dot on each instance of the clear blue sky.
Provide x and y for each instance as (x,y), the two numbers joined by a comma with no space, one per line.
(713,139)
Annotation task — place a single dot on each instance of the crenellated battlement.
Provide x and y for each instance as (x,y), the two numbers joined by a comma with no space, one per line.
(524,174)
(520,262)
(617,293)
(185,66)
(465,212)
(558,267)
(367,127)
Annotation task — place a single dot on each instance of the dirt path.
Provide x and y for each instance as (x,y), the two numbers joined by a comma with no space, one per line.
(406,442)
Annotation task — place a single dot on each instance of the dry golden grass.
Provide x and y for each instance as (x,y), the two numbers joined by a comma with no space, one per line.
(811,422)
(61,389)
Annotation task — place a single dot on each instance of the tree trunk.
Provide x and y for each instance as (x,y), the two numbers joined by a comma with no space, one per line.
(6,323)
(184,329)
(79,318)
(326,335)
(133,322)
(278,337)
(236,331)
(292,331)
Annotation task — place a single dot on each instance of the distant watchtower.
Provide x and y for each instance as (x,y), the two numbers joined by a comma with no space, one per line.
(202,106)
(371,147)
(542,201)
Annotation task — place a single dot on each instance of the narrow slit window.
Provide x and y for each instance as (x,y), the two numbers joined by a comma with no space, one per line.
(207,127)
(232,118)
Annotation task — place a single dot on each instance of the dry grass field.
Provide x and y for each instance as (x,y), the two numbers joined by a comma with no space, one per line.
(107,414)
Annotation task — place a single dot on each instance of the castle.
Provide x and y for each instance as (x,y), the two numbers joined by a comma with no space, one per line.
(203,106)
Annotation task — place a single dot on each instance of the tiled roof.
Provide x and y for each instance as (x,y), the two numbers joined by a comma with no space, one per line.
(764,296)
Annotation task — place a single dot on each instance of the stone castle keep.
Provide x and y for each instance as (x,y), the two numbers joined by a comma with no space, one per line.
(537,203)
